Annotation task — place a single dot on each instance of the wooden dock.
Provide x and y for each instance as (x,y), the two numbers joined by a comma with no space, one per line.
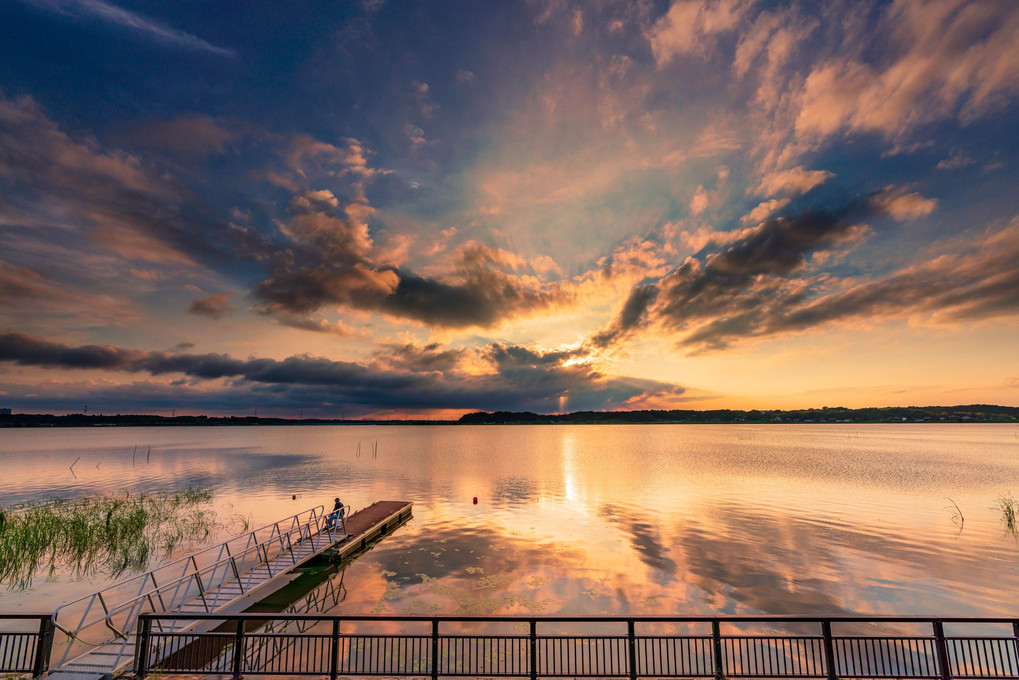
(233,595)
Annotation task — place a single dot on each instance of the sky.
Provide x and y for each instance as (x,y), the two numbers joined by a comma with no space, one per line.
(421,209)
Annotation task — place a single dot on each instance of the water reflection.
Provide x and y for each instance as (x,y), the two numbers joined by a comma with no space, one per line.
(598,519)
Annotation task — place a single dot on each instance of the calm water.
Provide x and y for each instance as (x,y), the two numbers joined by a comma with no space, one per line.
(594,519)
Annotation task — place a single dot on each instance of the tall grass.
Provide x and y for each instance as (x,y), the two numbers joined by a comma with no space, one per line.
(1009,509)
(99,534)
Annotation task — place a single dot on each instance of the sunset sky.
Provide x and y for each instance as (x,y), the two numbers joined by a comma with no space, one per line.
(387,208)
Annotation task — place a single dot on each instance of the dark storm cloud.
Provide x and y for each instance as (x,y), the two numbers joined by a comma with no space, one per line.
(431,357)
(411,378)
(31,351)
(304,289)
(966,286)
(486,298)
(630,317)
(214,306)
(764,283)
(720,289)
(329,264)
(780,245)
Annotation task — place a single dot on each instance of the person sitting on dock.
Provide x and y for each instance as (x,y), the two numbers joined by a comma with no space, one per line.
(336,515)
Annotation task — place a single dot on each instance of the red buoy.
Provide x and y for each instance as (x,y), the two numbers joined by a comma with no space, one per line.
(475,500)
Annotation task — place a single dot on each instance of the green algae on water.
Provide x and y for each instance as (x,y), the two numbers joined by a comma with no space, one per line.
(109,534)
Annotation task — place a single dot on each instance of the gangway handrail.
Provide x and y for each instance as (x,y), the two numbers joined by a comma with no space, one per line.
(210,548)
(282,538)
(312,516)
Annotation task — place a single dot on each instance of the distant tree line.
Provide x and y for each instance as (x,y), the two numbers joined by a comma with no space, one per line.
(83,420)
(977,413)
(887,414)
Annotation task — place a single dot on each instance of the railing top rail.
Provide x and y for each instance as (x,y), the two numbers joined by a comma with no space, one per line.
(763,618)
(313,512)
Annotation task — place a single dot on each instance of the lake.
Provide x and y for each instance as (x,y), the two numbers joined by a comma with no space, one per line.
(593,519)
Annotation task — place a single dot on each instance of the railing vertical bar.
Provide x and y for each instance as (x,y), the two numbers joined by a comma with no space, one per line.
(238,649)
(604,659)
(716,637)
(632,647)
(142,647)
(678,658)
(435,649)
(43,646)
(939,637)
(334,651)
(533,623)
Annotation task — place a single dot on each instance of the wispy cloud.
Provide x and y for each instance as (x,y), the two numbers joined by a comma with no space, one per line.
(131,21)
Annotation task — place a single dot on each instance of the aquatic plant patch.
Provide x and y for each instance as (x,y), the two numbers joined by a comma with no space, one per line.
(99,534)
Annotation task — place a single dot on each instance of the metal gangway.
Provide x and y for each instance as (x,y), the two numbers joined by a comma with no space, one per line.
(96,633)
(276,640)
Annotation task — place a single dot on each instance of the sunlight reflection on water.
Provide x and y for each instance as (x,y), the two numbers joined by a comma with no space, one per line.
(820,519)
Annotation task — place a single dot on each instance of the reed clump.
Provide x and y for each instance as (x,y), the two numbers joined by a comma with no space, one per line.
(1009,509)
(110,533)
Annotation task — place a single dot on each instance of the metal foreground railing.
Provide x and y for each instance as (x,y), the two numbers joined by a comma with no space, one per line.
(604,647)
(88,622)
(27,649)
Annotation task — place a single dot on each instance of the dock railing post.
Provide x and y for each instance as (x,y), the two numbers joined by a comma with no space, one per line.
(141,652)
(533,642)
(631,641)
(238,649)
(942,646)
(334,659)
(716,645)
(43,647)
(829,650)
(435,649)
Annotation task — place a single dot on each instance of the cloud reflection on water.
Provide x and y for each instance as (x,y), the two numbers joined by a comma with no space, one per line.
(603,520)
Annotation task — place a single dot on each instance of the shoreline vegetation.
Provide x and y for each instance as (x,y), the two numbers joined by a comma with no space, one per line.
(110,533)
(972,413)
